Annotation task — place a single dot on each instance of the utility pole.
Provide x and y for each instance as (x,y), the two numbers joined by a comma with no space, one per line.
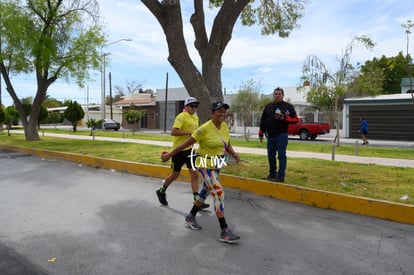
(0,75)
(0,89)
(103,55)
(110,95)
(407,27)
(165,104)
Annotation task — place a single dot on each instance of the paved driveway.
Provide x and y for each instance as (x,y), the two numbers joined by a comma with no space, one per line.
(63,218)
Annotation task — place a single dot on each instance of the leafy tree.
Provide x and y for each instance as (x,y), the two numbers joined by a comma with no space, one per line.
(2,116)
(321,98)
(12,115)
(327,88)
(27,105)
(74,113)
(50,39)
(274,16)
(133,116)
(54,118)
(246,102)
(93,124)
(51,103)
(388,69)
(369,82)
(66,102)
(264,101)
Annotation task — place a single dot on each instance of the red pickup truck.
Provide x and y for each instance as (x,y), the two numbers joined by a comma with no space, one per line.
(307,130)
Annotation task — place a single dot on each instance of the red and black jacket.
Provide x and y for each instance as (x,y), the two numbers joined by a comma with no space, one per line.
(271,126)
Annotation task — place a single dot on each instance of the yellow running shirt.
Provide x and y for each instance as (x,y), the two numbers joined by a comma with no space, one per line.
(186,122)
(212,141)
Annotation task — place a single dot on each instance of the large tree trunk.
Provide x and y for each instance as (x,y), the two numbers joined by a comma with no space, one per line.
(205,86)
(29,121)
(29,127)
(30,132)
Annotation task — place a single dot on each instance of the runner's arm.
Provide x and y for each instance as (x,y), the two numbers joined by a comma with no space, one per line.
(233,153)
(178,132)
(188,142)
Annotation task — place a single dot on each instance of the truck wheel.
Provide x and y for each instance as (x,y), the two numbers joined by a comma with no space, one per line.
(304,134)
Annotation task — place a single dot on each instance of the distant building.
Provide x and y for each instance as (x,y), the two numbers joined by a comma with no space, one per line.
(169,104)
(175,104)
(141,102)
(161,108)
(92,111)
(390,117)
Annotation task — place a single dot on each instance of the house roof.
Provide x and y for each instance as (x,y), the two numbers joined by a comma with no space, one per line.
(84,107)
(173,94)
(380,99)
(135,101)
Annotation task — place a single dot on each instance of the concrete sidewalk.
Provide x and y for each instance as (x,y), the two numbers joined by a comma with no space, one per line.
(346,158)
(259,151)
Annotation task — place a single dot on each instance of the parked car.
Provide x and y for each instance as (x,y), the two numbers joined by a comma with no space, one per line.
(110,124)
(308,130)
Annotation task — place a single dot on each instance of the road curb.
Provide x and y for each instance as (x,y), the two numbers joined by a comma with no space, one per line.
(376,208)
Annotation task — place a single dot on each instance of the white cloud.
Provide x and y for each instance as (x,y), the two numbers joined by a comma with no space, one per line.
(326,28)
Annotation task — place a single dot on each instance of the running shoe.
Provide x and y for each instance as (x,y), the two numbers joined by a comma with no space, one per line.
(191,221)
(204,206)
(162,197)
(228,237)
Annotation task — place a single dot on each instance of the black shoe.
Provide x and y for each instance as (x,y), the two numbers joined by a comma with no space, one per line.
(204,206)
(162,197)
(269,177)
(278,180)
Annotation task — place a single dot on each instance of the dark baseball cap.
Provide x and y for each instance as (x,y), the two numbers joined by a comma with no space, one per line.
(218,105)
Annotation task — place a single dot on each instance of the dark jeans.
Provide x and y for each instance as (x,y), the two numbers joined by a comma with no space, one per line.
(277,144)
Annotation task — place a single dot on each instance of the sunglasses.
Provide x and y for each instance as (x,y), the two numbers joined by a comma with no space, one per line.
(193,106)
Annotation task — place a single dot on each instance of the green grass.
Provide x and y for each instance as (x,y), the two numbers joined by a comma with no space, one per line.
(344,149)
(370,181)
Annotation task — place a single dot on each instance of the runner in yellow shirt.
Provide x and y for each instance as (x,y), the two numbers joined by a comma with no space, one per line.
(185,124)
(214,143)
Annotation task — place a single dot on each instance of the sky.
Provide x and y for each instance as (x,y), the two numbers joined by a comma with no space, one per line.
(325,30)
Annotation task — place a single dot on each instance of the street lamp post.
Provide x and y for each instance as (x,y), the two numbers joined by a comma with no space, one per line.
(103,85)
(103,55)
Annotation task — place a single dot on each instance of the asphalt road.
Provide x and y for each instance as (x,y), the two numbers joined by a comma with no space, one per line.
(64,218)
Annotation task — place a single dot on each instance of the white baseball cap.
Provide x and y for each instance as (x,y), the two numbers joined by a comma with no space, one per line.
(190,100)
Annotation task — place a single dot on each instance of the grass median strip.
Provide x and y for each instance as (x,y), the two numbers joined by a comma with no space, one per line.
(294,145)
(392,184)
